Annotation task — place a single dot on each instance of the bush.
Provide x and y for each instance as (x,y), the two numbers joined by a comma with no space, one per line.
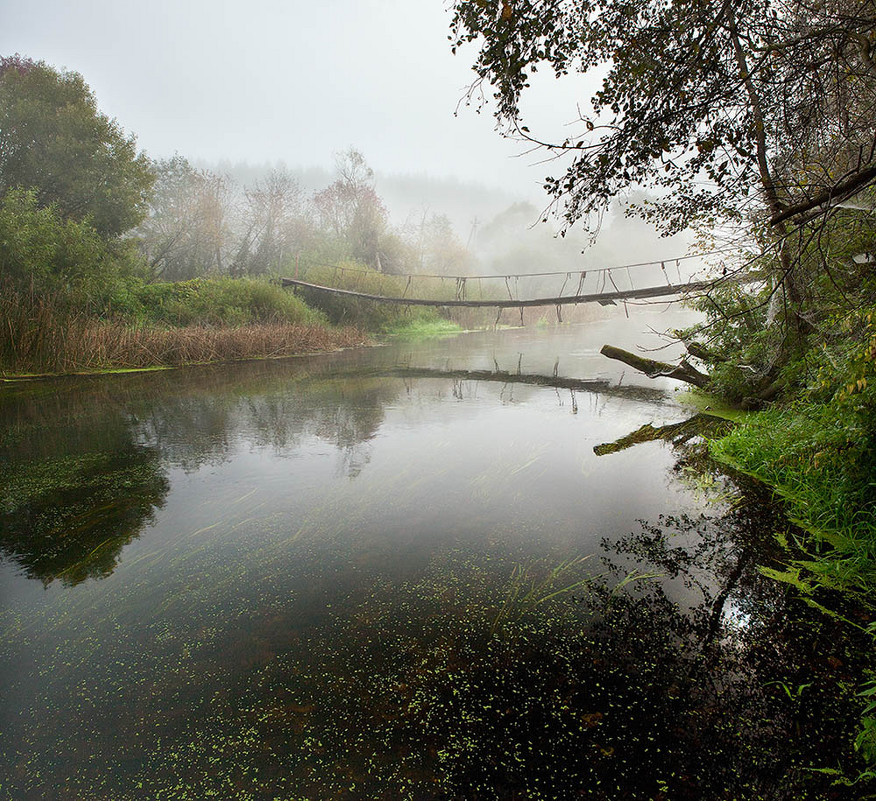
(41,250)
(220,302)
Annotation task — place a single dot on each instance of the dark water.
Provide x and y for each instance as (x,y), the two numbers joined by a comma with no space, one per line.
(372,575)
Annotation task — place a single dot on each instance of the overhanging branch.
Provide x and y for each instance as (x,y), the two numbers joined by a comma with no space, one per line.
(835,194)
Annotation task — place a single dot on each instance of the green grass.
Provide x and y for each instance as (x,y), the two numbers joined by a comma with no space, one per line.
(217,301)
(423,328)
(145,326)
(819,461)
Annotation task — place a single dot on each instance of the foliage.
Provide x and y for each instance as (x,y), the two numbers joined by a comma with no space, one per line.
(54,140)
(820,459)
(438,250)
(276,226)
(221,301)
(351,210)
(709,102)
(817,450)
(161,324)
(186,231)
(367,314)
(40,251)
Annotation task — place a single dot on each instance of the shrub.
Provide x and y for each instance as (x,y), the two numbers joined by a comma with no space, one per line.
(368,314)
(41,250)
(222,302)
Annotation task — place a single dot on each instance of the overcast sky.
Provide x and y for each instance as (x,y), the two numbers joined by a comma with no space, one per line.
(291,80)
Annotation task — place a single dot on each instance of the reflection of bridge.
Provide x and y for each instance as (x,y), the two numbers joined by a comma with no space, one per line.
(597,386)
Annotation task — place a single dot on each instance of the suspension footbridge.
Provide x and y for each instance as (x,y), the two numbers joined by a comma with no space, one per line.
(605,286)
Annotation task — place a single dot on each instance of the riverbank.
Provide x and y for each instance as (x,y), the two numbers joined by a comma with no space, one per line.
(98,346)
(818,459)
(150,326)
(162,325)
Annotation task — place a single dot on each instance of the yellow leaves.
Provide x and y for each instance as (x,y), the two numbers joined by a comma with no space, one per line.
(507,11)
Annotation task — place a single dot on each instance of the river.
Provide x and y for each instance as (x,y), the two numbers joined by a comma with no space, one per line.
(399,572)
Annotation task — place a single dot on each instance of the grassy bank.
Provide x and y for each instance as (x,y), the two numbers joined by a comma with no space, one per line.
(162,325)
(821,462)
(819,458)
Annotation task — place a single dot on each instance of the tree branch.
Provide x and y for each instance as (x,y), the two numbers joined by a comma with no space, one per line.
(839,192)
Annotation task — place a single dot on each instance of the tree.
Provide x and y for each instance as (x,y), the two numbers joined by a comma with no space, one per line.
(275,224)
(54,140)
(351,210)
(756,113)
(39,249)
(437,247)
(710,102)
(186,231)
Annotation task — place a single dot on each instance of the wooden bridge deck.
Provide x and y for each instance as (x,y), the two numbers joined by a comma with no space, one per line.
(605,297)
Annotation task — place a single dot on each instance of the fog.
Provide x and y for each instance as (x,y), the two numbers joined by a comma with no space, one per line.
(239,87)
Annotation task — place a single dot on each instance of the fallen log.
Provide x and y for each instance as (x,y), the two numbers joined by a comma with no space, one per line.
(653,369)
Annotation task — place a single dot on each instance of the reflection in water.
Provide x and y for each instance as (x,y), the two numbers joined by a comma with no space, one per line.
(72,496)
(83,466)
(342,578)
(96,450)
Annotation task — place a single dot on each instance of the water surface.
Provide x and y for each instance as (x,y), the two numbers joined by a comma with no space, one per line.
(373,575)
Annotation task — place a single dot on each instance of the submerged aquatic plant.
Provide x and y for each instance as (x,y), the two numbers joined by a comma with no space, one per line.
(526,592)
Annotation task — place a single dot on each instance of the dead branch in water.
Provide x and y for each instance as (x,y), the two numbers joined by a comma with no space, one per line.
(653,369)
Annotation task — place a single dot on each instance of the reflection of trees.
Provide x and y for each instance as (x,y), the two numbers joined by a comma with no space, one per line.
(191,430)
(764,684)
(76,488)
(82,462)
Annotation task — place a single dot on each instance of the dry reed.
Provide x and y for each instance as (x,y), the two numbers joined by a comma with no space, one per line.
(37,337)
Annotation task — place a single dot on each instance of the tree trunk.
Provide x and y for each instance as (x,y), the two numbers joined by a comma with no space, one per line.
(654,369)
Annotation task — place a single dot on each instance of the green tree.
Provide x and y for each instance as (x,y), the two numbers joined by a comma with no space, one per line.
(756,113)
(39,248)
(54,140)
(710,102)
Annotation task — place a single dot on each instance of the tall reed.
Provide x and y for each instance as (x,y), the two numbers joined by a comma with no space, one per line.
(39,334)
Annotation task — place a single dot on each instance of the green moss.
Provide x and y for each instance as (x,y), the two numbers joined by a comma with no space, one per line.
(712,405)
